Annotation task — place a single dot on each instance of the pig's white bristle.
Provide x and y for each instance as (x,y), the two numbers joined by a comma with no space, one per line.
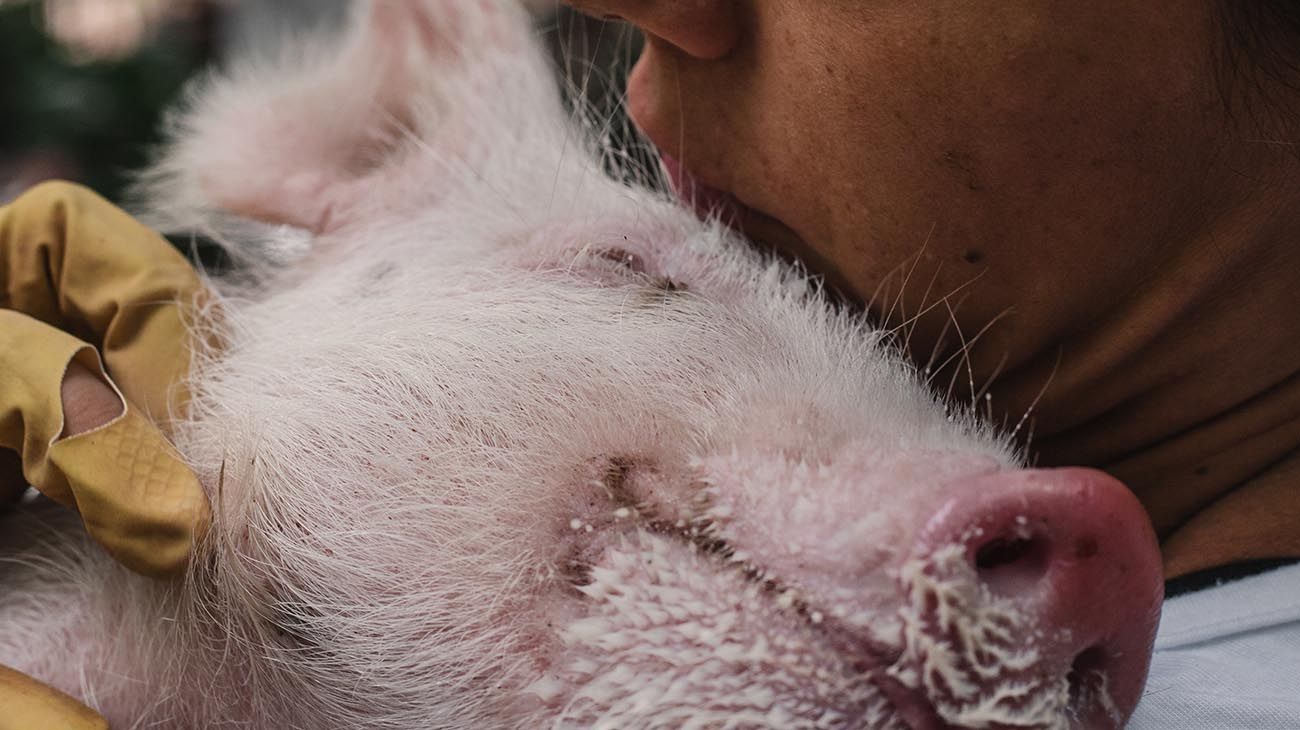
(396,427)
(972,651)
(663,646)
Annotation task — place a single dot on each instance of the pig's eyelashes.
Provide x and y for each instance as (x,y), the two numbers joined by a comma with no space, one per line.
(611,266)
(621,258)
(616,266)
(617,472)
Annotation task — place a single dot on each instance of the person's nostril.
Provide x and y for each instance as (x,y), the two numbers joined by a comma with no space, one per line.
(1011,565)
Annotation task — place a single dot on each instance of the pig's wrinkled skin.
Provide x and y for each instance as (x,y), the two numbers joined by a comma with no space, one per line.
(508,444)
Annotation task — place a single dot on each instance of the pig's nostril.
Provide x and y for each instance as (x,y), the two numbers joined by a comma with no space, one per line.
(1067,560)
(1087,680)
(1011,565)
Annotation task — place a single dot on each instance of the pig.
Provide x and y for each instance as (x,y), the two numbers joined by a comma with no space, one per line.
(494,440)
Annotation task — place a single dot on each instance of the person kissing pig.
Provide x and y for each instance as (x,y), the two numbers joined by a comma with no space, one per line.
(1085,213)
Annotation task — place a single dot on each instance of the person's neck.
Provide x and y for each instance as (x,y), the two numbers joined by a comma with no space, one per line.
(1189,391)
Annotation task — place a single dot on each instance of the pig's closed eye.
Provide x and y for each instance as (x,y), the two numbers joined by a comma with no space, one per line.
(613,265)
(622,258)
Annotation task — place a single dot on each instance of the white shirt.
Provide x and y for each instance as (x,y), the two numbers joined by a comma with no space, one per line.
(1228,658)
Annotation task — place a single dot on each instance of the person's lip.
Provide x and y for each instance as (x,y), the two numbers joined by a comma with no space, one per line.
(706,200)
(710,201)
(764,230)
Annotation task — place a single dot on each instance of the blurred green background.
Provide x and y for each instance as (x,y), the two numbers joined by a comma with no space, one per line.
(65,114)
(84,83)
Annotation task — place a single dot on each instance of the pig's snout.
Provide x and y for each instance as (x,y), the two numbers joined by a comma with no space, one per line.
(1032,600)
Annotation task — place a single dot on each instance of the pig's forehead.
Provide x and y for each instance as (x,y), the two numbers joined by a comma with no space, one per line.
(780,373)
(626,283)
(475,229)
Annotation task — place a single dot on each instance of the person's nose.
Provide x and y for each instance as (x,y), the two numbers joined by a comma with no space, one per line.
(705,29)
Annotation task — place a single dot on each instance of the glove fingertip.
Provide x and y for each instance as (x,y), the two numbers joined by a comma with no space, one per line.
(135,495)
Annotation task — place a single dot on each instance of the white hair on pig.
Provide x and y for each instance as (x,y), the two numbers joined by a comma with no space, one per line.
(510,444)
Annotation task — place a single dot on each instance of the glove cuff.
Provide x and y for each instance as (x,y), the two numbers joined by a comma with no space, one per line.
(34,358)
(29,704)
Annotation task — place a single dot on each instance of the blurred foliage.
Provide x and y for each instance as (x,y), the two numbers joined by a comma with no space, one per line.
(95,122)
(100,117)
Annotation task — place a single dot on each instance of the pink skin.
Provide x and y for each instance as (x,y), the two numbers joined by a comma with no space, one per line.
(1069,553)
(614,465)
(1073,550)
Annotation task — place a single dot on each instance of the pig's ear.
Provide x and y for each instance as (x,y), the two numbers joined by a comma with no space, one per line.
(306,139)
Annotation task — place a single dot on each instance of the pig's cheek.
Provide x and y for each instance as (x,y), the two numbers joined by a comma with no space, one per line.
(792,522)
(835,531)
(611,498)
(661,608)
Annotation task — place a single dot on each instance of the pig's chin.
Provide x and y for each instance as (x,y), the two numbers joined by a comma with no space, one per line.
(680,630)
(677,631)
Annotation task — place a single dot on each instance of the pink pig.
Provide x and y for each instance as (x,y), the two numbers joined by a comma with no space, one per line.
(495,441)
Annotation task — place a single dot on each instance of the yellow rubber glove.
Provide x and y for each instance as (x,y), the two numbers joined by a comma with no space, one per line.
(29,704)
(70,262)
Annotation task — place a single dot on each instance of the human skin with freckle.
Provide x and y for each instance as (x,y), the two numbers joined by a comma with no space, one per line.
(1085,210)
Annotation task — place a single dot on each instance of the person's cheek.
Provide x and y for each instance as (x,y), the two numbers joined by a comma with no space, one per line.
(657,115)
